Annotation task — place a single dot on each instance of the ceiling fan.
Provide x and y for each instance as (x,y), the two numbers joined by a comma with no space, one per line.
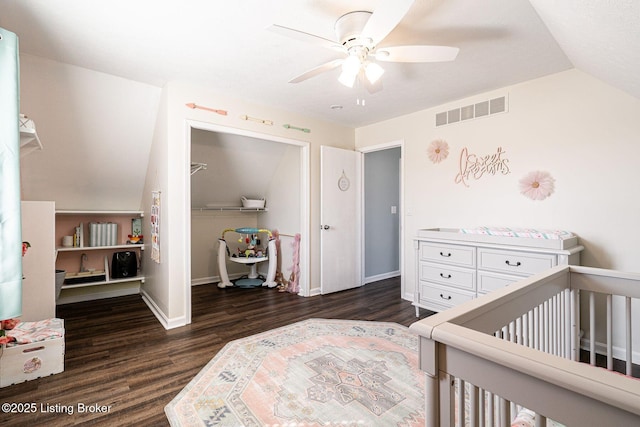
(358,38)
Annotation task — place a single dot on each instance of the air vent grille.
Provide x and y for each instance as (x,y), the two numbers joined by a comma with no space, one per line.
(473,111)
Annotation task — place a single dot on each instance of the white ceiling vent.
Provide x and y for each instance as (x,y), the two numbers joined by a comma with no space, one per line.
(473,111)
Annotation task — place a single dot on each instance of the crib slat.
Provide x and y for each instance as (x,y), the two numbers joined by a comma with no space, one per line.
(545,327)
(481,407)
(592,328)
(567,324)
(460,398)
(575,324)
(491,409)
(554,326)
(536,328)
(629,339)
(505,419)
(610,332)
(473,406)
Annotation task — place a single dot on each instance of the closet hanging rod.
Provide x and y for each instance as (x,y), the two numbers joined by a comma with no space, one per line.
(195,167)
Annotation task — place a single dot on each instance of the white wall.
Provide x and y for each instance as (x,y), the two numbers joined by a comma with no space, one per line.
(38,264)
(237,166)
(582,131)
(206,228)
(167,284)
(96,131)
(283,193)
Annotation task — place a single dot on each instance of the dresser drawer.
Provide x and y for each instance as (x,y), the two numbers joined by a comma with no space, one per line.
(442,297)
(447,275)
(490,281)
(464,256)
(521,263)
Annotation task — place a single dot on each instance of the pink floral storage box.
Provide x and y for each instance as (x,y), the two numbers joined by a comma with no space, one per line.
(38,351)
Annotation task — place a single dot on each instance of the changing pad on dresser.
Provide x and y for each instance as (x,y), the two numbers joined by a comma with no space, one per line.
(518,232)
(535,238)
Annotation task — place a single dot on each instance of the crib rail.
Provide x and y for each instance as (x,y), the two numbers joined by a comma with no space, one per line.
(521,343)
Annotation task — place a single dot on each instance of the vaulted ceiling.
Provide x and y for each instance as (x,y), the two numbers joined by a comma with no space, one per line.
(225,46)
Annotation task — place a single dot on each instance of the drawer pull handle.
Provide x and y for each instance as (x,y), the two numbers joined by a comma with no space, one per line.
(517,264)
(448,276)
(447,255)
(447,298)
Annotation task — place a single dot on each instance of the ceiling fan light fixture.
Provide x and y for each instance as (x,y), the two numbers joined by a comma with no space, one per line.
(350,70)
(347,79)
(373,72)
(351,65)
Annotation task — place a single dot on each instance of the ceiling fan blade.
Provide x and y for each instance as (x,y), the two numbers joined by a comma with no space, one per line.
(305,37)
(317,70)
(419,53)
(385,18)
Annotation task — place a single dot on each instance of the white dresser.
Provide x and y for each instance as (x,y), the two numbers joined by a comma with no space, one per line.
(454,267)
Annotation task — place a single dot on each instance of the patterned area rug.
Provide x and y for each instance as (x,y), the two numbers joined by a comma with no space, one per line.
(312,373)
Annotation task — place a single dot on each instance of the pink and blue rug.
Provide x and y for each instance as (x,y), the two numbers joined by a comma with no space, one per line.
(312,373)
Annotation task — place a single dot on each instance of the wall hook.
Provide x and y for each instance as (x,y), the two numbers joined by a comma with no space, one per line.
(255,119)
(193,106)
(305,130)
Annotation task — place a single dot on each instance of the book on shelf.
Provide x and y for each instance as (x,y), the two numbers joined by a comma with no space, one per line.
(78,236)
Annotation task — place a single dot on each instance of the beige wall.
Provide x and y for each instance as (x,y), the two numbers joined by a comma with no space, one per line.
(96,131)
(167,286)
(579,129)
(582,131)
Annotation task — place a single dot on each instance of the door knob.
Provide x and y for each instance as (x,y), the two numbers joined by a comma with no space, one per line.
(324,227)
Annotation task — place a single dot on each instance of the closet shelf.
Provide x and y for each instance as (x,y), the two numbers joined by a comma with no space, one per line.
(29,141)
(230,208)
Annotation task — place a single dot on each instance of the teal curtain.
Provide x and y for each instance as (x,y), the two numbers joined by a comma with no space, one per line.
(10,220)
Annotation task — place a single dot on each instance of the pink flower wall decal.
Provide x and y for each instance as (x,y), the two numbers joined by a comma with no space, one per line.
(438,150)
(537,185)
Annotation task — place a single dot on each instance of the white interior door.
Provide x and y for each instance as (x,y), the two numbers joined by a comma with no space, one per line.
(340,252)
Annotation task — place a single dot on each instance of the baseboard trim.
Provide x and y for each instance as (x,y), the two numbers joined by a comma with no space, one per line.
(96,295)
(165,321)
(382,276)
(215,279)
(617,352)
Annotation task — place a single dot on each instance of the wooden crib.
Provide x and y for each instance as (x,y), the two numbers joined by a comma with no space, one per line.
(519,347)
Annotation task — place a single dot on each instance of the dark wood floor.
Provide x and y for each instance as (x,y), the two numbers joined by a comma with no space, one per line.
(118,355)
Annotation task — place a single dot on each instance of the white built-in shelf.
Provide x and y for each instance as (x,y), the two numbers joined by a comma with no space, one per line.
(71,217)
(93,248)
(104,213)
(104,282)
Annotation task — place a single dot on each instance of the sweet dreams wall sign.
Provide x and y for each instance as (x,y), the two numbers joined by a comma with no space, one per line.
(535,185)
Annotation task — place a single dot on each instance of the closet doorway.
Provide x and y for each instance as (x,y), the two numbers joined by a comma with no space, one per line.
(227,164)
(382,208)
